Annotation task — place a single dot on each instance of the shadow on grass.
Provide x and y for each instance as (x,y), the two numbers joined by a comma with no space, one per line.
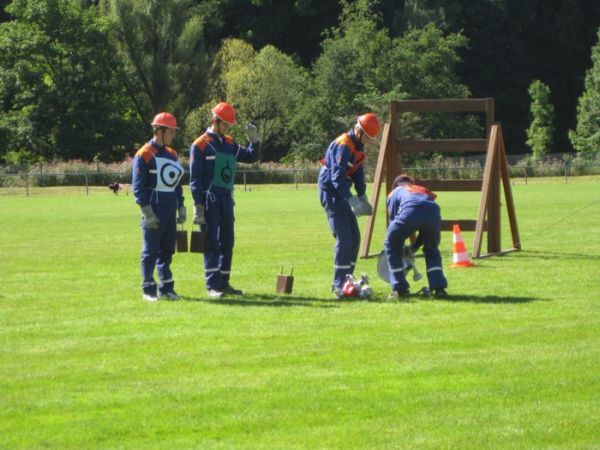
(278,301)
(266,300)
(557,255)
(487,299)
(418,297)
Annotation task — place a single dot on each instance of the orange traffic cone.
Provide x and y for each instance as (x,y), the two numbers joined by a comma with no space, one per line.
(460,258)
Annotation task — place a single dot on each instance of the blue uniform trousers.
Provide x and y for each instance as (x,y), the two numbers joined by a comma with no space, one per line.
(344,227)
(157,251)
(219,241)
(427,221)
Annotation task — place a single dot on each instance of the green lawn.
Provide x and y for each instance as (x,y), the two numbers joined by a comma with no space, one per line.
(512,360)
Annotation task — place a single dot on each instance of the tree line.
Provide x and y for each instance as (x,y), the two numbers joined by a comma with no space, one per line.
(81,79)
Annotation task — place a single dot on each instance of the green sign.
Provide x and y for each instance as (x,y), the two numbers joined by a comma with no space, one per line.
(224,170)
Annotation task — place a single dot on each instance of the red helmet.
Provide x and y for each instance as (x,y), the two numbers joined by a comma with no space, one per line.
(165,119)
(370,124)
(225,112)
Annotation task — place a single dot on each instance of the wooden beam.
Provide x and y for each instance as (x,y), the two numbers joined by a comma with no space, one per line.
(451,185)
(483,202)
(442,105)
(442,145)
(465,225)
(510,205)
(379,171)
(489,115)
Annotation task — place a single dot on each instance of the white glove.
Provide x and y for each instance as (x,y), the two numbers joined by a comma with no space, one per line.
(368,209)
(251,133)
(181,215)
(199,214)
(150,220)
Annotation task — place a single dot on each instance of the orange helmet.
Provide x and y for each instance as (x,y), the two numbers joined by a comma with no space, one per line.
(165,119)
(370,124)
(225,112)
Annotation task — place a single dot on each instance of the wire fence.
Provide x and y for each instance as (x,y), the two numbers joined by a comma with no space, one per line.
(29,183)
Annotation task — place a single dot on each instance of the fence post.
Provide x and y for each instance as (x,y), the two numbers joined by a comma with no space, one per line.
(87,188)
(295,179)
(27,184)
(525,169)
(245,187)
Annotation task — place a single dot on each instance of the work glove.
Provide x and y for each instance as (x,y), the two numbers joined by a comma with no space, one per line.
(181,215)
(358,208)
(367,208)
(251,133)
(150,220)
(199,218)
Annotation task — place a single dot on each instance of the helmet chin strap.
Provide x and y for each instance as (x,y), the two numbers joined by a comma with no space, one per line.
(160,140)
(216,125)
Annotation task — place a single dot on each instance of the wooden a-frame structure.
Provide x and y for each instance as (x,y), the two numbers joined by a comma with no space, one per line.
(389,165)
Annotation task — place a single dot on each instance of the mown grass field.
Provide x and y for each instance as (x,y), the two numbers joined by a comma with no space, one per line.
(511,360)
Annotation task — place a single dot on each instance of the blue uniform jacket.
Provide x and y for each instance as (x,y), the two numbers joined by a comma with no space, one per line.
(202,160)
(145,176)
(408,195)
(343,165)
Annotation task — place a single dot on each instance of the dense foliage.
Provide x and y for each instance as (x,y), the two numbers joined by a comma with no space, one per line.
(82,78)
(586,137)
(539,133)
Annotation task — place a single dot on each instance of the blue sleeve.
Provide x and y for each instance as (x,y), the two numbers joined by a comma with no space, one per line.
(196,169)
(359,181)
(248,154)
(180,198)
(339,164)
(139,177)
(392,205)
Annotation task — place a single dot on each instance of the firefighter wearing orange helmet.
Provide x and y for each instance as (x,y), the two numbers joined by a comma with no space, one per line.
(213,158)
(156,184)
(342,168)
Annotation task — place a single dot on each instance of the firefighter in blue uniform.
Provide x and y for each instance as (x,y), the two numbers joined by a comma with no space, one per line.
(343,167)
(156,184)
(413,208)
(213,158)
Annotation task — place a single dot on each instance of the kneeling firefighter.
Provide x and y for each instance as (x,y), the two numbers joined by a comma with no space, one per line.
(213,158)
(342,167)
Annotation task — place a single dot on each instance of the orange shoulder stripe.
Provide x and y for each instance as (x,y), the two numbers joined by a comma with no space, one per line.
(344,139)
(147,152)
(203,141)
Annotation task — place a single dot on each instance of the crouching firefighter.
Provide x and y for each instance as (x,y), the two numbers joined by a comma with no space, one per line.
(412,208)
(342,167)
(213,158)
(156,184)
